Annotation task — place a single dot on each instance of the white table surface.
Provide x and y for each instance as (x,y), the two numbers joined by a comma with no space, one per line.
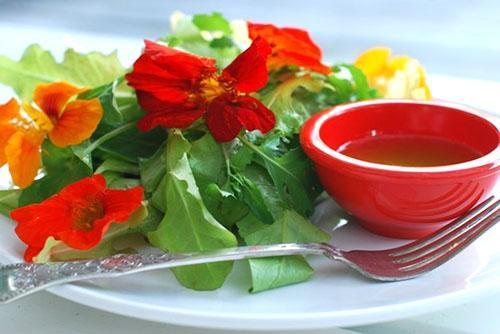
(44,313)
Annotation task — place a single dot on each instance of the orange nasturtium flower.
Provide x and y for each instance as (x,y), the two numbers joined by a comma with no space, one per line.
(55,113)
(394,76)
(290,46)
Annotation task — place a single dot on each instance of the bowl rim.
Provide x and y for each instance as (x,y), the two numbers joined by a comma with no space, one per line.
(312,141)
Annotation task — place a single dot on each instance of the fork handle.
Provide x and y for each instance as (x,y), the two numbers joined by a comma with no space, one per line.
(21,279)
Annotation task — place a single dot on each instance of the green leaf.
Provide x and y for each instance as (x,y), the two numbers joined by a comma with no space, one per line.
(118,101)
(39,66)
(187,225)
(213,22)
(62,167)
(116,180)
(153,169)
(274,272)
(81,152)
(350,84)
(290,111)
(130,145)
(207,162)
(9,200)
(292,175)
(210,170)
(223,42)
(148,224)
(255,188)
(224,205)
(250,194)
(116,165)
(204,35)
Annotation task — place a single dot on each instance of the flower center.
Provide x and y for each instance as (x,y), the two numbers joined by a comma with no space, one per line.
(211,87)
(84,217)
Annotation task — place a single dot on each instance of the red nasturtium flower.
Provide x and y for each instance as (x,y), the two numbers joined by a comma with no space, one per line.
(290,46)
(79,215)
(177,88)
(56,113)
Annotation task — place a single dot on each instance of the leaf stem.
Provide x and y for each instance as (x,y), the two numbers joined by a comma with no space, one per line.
(104,138)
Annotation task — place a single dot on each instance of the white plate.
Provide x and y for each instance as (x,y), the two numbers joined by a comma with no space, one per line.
(335,296)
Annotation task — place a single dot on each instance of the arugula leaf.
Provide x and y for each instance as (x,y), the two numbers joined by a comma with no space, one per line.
(224,205)
(130,145)
(350,84)
(118,101)
(292,175)
(274,272)
(213,22)
(62,167)
(116,165)
(152,170)
(39,66)
(254,187)
(187,225)
(211,172)
(207,162)
(9,200)
(251,195)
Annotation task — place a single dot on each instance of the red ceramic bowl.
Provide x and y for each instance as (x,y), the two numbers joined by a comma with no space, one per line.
(403,202)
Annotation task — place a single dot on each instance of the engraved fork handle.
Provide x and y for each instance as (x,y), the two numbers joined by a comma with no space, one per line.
(21,279)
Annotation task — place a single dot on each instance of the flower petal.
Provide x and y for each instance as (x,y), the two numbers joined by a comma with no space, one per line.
(114,206)
(6,131)
(286,57)
(52,97)
(283,42)
(36,222)
(249,69)
(254,115)
(302,35)
(373,61)
(23,156)
(165,114)
(77,123)
(9,112)
(119,204)
(169,74)
(227,115)
(221,119)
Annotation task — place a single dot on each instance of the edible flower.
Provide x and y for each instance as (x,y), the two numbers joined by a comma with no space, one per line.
(394,76)
(177,88)
(290,46)
(79,215)
(23,128)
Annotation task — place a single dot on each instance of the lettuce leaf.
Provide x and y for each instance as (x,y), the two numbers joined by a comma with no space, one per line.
(9,200)
(39,66)
(187,225)
(209,36)
(274,272)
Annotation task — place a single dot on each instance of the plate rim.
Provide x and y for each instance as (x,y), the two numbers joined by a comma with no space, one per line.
(240,321)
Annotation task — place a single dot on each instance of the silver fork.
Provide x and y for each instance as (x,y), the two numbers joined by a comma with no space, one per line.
(405,262)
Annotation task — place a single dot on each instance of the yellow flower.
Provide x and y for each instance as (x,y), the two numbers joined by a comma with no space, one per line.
(394,76)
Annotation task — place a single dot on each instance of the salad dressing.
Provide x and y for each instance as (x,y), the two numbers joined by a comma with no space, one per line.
(409,150)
